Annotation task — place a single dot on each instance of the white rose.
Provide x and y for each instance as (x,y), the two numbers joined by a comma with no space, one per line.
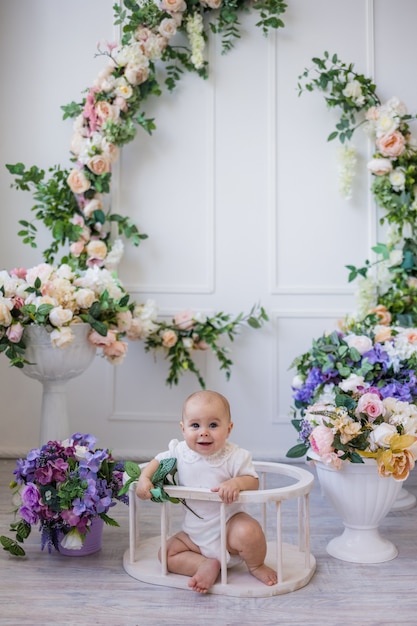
(85,298)
(387,123)
(59,316)
(396,257)
(362,343)
(397,179)
(353,90)
(381,435)
(297,382)
(379,167)
(352,382)
(62,337)
(199,317)
(5,315)
(396,105)
(81,452)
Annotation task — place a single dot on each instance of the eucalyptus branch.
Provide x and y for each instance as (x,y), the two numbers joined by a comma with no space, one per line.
(346,89)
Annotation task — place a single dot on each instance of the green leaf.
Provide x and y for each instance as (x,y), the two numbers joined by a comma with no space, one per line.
(297,451)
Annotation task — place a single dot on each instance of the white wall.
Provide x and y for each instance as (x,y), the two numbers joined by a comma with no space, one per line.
(237,190)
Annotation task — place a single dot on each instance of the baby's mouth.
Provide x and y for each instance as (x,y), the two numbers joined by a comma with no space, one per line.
(205,444)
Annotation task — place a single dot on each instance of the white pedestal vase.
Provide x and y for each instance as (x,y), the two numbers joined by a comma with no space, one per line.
(362,498)
(53,367)
(404,501)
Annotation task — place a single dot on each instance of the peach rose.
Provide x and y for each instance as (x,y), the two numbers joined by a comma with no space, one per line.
(105,111)
(173,5)
(400,462)
(99,164)
(411,335)
(169,338)
(115,352)
(102,340)
(97,249)
(392,145)
(384,316)
(78,182)
(383,333)
(124,320)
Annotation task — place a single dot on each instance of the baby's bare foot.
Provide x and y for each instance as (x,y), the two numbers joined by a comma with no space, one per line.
(205,576)
(265,574)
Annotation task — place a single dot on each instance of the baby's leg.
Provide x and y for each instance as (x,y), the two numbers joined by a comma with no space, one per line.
(246,538)
(184,557)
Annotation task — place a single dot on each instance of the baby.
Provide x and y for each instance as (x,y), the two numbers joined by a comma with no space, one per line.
(206,459)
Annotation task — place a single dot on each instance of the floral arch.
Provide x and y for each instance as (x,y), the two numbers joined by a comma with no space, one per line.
(77,280)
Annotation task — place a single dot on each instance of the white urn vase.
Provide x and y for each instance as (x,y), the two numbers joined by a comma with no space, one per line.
(362,498)
(53,367)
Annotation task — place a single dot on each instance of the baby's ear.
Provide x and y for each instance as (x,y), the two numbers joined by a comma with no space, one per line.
(231,424)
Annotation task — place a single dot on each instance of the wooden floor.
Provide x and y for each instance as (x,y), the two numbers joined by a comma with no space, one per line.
(43,589)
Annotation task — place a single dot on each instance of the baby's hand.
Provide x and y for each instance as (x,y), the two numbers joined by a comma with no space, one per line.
(143,488)
(228,491)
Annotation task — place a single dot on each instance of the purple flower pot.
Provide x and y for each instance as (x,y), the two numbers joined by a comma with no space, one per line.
(92,542)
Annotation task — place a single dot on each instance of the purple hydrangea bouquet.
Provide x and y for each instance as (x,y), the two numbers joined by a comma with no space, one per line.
(354,393)
(62,487)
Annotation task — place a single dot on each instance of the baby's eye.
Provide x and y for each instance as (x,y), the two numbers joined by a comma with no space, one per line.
(194,425)
(213,425)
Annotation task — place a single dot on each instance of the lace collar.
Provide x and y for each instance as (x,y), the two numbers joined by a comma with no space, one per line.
(214,460)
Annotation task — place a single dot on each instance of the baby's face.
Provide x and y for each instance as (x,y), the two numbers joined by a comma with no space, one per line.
(206,426)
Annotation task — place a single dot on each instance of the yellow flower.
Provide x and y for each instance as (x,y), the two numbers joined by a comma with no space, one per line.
(396,461)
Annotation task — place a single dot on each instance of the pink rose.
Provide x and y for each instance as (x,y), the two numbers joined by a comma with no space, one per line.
(392,145)
(19,272)
(14,332)
(77,248)
(321,440)
(184,320)
(371,405)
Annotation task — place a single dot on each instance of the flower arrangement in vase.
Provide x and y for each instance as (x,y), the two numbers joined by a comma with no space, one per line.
(62,487)
(74,203)
(355,389)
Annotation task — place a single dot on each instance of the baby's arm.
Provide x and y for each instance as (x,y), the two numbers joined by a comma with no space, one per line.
(144,486)
(230,489)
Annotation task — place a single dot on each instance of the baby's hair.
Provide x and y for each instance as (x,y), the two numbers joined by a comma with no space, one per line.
(208,395)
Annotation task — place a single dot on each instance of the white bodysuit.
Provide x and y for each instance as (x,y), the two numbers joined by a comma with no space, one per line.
(195,470)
